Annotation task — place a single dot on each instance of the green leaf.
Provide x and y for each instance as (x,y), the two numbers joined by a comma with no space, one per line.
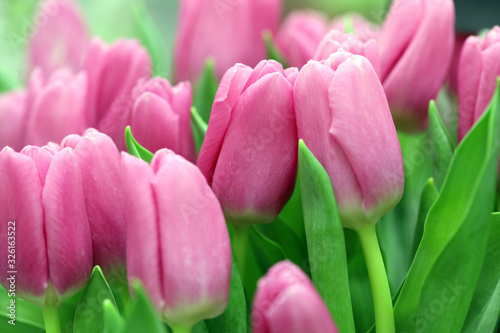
(292,214)
(134,148)
(199,127)
(440,283)
(443,147)
(234,318)
(89,315)
(200,327)
(205,90)
(113,322)
(428,197)
(272,50)
(150,38)
(484,311)
(28,315)
(325,239)
(143,317)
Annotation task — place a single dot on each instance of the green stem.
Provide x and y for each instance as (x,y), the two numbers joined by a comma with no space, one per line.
(240,247)
(384,313)
(180,329)
(51,318)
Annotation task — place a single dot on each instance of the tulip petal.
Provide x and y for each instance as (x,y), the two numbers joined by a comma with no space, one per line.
(488,80)
(69,242)
(262,138)
(12,109)
(21,201)
(227,95)
(142,226)
(196,269)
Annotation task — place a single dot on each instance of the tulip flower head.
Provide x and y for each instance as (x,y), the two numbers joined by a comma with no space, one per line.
(343,117)
(249,155)
(286,301)
(478,70)
(12,108)
(42,202)
(177,240)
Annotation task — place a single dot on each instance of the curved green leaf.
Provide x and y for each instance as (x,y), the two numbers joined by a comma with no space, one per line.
(205,90)
(143,317)
(134,148)
(113,322)
(199,127)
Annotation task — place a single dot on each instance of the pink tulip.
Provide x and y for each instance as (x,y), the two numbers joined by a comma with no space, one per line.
(55,106)
(42,193)
(229,31)
(416,45)
(161,116)
(344,119)
(299,36)
(336,40)
(478,70)
(249,155)
(177,239)
(357,25)
(100,165)
(287,302)
(453,72)
(12,108)
(113,71)
(59,39)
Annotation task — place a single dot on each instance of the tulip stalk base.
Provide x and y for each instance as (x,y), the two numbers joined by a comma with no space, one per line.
(384,312)
(51,318)
(240,247)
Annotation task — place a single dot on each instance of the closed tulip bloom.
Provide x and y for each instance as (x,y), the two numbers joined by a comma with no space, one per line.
(287,302)
(55,106)
(344,119)
(249,155)
(113,71)
(228,31)
(299,36)
(60,37)
(12,108)
(161,116)
(336,40)
(177,239)
(100,166)
(416,46)
(42,193)
(478,70)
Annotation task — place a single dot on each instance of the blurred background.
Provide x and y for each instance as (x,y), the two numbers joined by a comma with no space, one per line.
(112,19)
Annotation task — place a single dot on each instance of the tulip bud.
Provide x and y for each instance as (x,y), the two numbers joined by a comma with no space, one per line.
(249,155)
(416,45)
(60,37)
(336,40)
(43,209)
(12,108)
(453,72)
(299,36)
(228,31)
(177,239)
(55,107)
(100,166)
(113,71)
(287,302)
(161,116)
(344,119)
(478,70)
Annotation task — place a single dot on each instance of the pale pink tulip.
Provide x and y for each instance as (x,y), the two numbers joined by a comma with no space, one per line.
(12,108)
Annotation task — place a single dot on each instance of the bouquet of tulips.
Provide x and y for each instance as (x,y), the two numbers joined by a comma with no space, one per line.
(272,170)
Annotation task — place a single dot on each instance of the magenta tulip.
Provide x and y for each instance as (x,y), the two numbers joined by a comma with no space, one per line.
(60,37)
(55,107)
(12,108)
(42,200)
(161,116)
(229,31)
(416,46)
(336,40)
(177,239)
(287,302)
(344,119)
(478,70)
(100,166)
(113,71)
(299,36)
(249,155)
